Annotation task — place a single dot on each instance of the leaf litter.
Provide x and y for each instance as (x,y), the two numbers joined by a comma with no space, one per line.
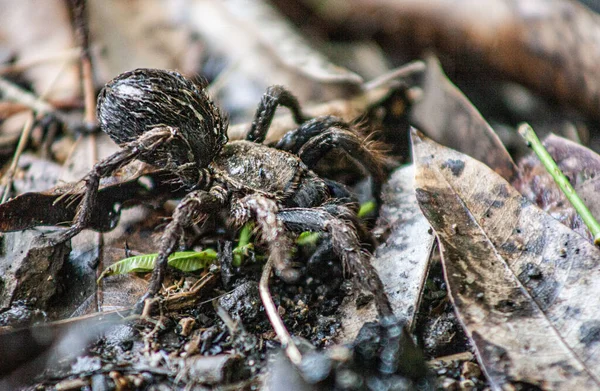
(447,116)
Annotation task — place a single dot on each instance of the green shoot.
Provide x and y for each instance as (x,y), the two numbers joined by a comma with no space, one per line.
(534,143)
(244,246)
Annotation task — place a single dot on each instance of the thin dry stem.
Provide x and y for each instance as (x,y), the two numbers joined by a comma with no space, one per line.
(11,91)
(291,350)
(20,66)
(8,178)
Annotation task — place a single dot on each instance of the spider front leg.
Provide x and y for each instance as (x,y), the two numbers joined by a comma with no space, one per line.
(346,246)
(273,232)
(192,208)
(317,137)
(129,152)
(318,146)
(273,97)
(293,140)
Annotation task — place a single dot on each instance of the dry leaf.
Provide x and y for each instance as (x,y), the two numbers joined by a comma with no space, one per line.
(447,116)
(134,34)
(263,46)
(402,261)
(524,286)
(58,205)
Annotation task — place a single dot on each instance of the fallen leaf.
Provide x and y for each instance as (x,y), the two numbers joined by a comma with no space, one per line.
(39,32)
(524,286)
(402,260)
(134,34)
(446,115)
(259,43)
(58,205)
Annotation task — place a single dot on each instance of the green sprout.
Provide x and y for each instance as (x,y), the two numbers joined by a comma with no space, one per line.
(244,246)
(561,180)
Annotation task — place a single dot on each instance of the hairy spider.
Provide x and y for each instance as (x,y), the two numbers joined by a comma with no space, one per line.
(166,120)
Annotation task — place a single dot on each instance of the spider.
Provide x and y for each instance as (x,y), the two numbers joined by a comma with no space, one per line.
(164,119)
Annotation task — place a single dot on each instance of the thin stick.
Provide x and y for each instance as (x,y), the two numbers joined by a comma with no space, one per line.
(534,143)
(8,178)
(291,350)
(24,138)
(15,93)
(20,66)
(404,72)
(81,25)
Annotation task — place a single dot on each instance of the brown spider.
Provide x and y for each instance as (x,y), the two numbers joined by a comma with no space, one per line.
(166,120)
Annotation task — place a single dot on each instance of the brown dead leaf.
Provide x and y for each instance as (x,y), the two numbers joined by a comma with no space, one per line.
(58,206)
(134,34)
(447,116)
(524,286)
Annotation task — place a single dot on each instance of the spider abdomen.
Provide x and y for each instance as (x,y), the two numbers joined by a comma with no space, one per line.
(138,101)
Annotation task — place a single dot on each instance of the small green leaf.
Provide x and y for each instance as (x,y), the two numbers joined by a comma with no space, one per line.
(189,261)
(366,208)
(186,261)
(308,238)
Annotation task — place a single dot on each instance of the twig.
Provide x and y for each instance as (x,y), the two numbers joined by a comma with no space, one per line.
(561,180)
(20,66)
(291,350)
(8,178)
(15,93)
(407,70)
(25,134)
(81,26)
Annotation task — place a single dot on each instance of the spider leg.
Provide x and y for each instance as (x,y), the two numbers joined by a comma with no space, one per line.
(337,137)
(293,140)
(315,138)
(273,231)
(346,246)
(273,97)
(128,152)
(345,213)
(192,208)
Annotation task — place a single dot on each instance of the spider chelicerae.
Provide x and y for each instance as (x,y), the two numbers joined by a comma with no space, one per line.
(164,119)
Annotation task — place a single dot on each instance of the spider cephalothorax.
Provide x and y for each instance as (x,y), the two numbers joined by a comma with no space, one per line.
(164,119)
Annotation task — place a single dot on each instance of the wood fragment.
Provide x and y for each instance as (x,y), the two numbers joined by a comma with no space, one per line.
(551,46)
